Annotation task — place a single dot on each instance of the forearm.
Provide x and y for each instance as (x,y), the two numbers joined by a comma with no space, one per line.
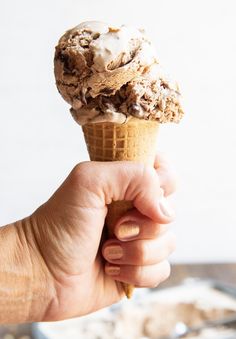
(26,287)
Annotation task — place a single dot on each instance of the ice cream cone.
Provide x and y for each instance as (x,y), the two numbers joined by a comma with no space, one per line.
(132,141)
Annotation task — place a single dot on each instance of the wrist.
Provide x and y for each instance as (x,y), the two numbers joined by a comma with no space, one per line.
(26,284)
(42,283)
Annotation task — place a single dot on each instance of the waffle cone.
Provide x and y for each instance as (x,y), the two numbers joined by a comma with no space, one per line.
(133,141)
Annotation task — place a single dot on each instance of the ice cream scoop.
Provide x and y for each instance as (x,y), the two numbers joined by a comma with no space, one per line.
(118,93)
(109,74)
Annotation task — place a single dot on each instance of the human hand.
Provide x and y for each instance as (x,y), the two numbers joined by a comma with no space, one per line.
(68,232)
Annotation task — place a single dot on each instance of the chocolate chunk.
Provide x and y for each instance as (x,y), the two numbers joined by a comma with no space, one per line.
(84,43)
(106,90)
(113,29)
(96,36)
(66,61)
(164,85)
(136,110)
(83,97)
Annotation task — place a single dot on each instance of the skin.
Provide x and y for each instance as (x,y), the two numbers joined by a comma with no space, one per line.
(55,264)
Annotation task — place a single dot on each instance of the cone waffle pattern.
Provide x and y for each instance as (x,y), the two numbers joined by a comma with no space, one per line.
(133,141)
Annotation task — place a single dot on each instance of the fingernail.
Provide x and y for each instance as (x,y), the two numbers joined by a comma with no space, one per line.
(113,252)
(128,231)
(112,270)
(165,207)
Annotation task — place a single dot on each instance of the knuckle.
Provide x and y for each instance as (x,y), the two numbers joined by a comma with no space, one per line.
(163,229)
(162,253)
(139,276)
(84,174)
(79,171)
(154,284)
(142,252)
(166,269)
(148,176)
(171,181)
(161,158)
(144,278)
(156,230)
(148,173)
(172,242)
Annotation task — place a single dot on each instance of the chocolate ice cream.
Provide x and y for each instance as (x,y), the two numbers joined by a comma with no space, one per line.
(109,74)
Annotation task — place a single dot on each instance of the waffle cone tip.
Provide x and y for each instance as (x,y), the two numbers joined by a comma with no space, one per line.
(128,289)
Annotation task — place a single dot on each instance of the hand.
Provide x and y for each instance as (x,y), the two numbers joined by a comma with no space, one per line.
(68,231)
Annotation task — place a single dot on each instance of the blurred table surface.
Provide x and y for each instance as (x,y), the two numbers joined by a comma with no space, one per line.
(224,272)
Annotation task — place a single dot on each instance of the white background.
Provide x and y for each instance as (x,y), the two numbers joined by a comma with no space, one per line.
(40,143)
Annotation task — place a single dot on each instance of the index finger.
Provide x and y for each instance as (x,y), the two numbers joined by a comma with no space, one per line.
(166,173)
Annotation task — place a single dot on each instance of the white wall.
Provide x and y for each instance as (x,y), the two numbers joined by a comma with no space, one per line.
(40,143)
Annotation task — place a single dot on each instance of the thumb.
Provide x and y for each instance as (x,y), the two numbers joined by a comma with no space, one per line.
(137,183)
